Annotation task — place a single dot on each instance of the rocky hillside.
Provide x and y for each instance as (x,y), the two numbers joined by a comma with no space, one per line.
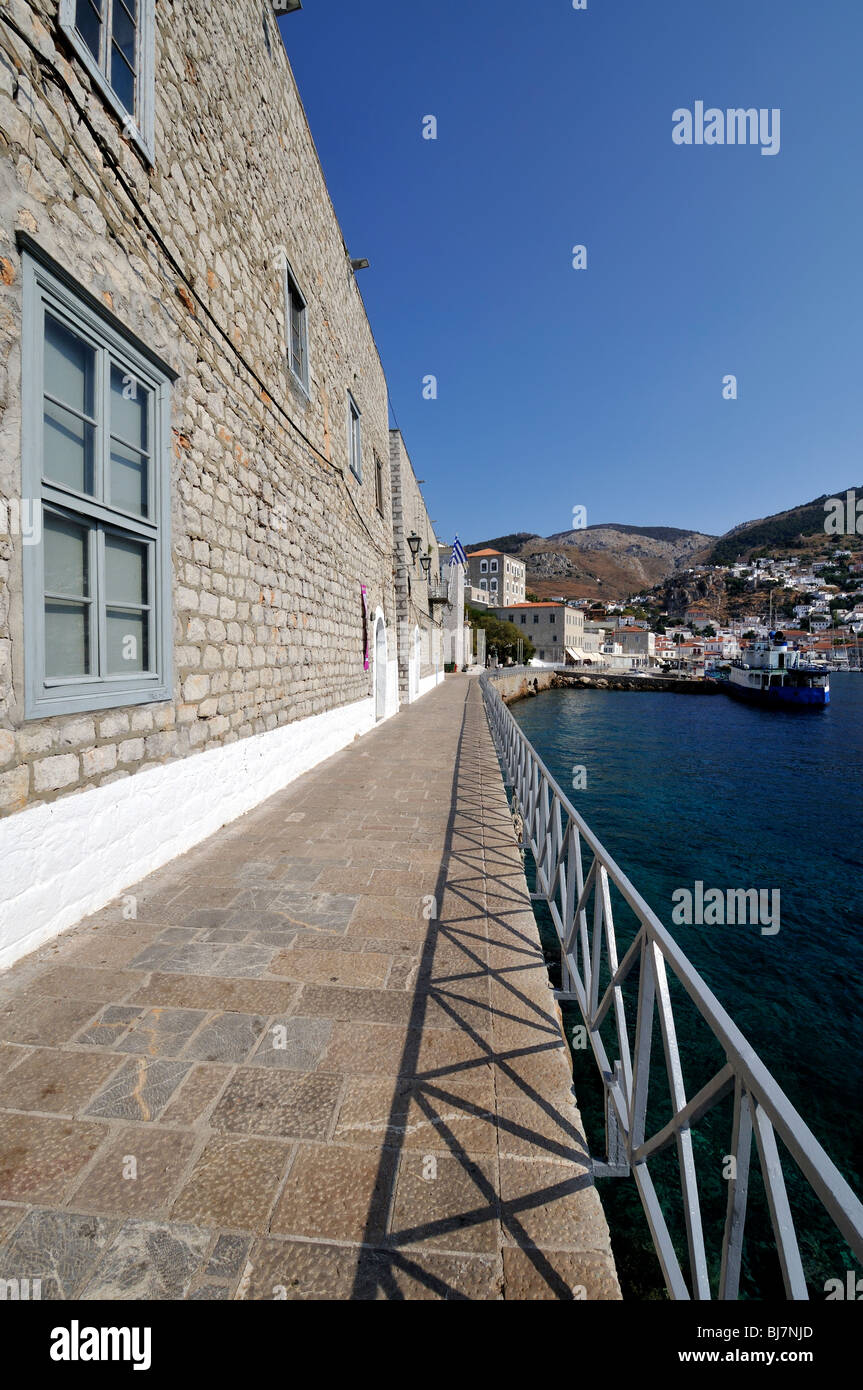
(798,530)
(681,591)
(601,562)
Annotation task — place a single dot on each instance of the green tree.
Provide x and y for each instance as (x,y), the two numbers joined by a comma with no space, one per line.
(501,636)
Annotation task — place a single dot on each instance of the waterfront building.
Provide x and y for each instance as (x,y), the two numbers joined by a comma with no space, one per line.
(197,599)
(500,576)
(639,644)
(555,629)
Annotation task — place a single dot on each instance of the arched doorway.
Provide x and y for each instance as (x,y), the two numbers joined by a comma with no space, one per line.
(380,668)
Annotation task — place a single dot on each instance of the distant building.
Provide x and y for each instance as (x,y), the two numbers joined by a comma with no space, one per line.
(698,615)
(555,629)
(501,576)
(639,644)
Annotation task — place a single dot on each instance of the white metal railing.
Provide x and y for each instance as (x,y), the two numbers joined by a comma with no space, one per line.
(556,836)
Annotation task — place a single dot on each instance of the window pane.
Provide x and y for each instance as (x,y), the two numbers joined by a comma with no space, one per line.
(123,52)
(88,22)
(128,642)
(125,571)
(298,356)
(68,449)
(129,477)
(123,26)
(66,558)
(123,81)
(70,367)
(67,639)
(130,408)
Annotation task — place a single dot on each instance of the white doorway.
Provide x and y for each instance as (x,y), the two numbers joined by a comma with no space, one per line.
(380,668)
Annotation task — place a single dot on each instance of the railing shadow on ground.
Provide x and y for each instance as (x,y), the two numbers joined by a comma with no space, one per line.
(461,935)
(594,978)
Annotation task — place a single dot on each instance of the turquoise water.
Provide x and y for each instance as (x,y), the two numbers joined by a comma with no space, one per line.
(682,788)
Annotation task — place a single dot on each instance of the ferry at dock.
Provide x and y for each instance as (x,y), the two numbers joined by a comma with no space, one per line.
(770,673)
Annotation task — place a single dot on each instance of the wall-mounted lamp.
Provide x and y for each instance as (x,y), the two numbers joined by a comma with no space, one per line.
(426,566)
(360,265)
(287,6)
(414,542)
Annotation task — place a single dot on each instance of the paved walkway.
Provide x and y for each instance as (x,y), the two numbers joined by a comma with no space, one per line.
(322,1061)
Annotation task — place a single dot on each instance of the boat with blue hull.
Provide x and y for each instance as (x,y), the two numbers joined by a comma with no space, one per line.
(770,673)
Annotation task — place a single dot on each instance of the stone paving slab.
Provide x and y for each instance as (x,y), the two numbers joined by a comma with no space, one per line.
(315,1058)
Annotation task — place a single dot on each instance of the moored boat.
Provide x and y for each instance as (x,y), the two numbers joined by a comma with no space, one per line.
(770,673)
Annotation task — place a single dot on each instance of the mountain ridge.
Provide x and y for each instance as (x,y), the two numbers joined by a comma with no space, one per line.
(614,560)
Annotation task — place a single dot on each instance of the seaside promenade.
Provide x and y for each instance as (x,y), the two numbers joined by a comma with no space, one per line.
(317,1057)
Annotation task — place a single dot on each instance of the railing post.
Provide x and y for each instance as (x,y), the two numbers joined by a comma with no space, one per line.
(615,1139)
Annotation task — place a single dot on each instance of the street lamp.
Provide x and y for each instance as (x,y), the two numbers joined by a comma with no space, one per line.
(287,6)
(426,566)
(414,542)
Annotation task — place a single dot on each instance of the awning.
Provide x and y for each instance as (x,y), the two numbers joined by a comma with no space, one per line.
(575,653)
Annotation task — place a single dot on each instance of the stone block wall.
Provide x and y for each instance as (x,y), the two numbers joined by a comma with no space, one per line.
(413,608)
(272,535)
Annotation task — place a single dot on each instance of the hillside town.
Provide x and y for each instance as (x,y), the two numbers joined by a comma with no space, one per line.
(817,603)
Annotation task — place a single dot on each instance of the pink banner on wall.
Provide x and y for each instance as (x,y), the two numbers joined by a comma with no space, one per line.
(366,660)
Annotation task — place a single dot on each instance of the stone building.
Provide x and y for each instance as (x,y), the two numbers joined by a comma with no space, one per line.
(555,629)
(639,644)
(417,575)
(197,598)
(501,576)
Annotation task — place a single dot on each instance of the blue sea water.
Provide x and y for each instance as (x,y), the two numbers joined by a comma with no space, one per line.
(687,788)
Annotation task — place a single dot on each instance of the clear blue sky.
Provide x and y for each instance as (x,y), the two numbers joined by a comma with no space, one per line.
(602,387)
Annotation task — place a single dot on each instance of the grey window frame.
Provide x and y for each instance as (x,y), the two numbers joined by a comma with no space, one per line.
(50,289)
(379,485)
(355,417)
(139,124)
(292,287)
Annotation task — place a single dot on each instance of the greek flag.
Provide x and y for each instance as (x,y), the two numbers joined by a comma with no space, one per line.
(458,555)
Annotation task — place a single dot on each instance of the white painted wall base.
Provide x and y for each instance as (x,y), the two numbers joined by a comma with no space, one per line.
(68,859)
(431,682)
